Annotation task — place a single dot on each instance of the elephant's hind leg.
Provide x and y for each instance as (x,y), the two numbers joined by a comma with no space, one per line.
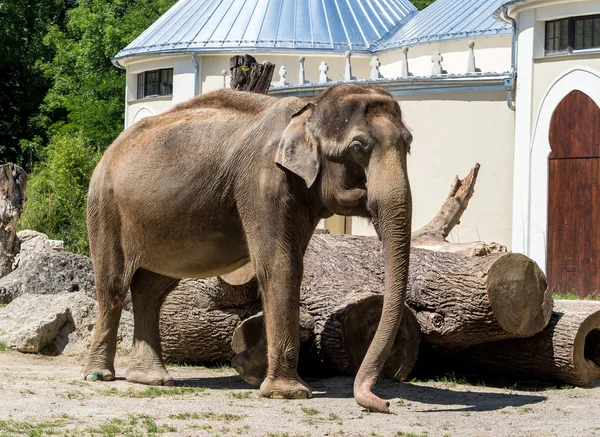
(148,291)
(112,276)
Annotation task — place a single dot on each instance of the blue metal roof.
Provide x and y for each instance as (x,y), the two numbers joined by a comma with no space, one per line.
(274,25)
(447,20)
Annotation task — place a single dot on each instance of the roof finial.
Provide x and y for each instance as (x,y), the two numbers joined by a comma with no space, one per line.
(375,74)
(472,68)
(323,69)
(436,68)
(301,75)
(282,75)
(405,71)
(348,72)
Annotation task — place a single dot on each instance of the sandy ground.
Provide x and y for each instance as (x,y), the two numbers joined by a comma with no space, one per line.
(44,396)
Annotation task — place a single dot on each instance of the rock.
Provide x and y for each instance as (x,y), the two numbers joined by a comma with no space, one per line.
(61,323)
(76,335)
(34,242)
(49,272)
(32,322)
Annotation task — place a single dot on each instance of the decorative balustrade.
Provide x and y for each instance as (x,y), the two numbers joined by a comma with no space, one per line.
(375,73)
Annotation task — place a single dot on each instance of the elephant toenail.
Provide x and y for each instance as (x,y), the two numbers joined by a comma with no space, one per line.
(95,376)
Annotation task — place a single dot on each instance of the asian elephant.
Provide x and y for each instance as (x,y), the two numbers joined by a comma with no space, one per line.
(235,182)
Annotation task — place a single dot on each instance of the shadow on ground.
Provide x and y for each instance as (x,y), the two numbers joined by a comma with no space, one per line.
(341,387)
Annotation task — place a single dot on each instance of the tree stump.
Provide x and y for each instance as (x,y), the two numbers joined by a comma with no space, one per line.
(568,350)
(248,75)
(13,183)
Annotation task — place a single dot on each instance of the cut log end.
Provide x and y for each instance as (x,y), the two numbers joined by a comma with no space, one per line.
(519,295)
(586,352)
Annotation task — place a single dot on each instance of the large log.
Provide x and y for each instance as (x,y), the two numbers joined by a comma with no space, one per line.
(198,318)
(567,351)
(13,182)
(459,301)
(462,301)
(249,75)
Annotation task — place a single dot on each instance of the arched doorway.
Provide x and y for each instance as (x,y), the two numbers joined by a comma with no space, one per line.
(573,251)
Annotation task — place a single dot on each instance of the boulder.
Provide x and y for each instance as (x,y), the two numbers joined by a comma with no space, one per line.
(49,272)
(55,324)
(32,322)
(34,242)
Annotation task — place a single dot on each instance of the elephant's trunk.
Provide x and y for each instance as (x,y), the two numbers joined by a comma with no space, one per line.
(391,205)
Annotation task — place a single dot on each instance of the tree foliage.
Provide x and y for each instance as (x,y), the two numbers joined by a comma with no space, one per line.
(422,4)
(56,191)
(23,27)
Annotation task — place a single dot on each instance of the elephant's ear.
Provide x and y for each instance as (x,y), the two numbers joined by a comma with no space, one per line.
(295,151)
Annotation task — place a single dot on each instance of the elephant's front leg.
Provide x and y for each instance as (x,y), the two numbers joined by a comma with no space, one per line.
(280,284)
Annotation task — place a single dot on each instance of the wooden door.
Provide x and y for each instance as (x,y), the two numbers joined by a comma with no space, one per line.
(573,255)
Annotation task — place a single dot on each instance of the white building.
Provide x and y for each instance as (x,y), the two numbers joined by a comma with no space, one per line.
(478,81)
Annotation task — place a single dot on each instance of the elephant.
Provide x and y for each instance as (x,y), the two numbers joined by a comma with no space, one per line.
(232,183)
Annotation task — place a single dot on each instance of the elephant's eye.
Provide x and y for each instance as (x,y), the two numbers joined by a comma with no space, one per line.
(356,147)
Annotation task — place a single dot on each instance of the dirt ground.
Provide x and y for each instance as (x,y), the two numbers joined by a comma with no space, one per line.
(44,396)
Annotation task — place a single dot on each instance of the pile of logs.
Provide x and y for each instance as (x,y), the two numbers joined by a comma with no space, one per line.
(474,304)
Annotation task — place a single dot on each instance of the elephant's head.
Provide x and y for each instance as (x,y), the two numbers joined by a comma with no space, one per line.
(351,145)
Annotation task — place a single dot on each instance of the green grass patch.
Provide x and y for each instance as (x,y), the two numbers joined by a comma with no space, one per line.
(570,296)
(3,347)
(309,411)
(208,415)
(525,410)
(154,392)
(410,434)
(241,394)
(223,367)
(28,428)
(138,425)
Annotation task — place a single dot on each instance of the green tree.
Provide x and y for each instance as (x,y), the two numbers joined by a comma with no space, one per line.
(56,191)
(422,4)
(23,25)
(89,91)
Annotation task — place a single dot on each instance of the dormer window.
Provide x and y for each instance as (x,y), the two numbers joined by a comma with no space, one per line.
(570,35)
(155,83)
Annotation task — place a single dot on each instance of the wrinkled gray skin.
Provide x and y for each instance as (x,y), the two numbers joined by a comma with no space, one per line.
(234,183)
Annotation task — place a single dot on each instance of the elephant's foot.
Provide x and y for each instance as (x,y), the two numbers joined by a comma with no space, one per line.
(153,376)
(285,389)
(98,373)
